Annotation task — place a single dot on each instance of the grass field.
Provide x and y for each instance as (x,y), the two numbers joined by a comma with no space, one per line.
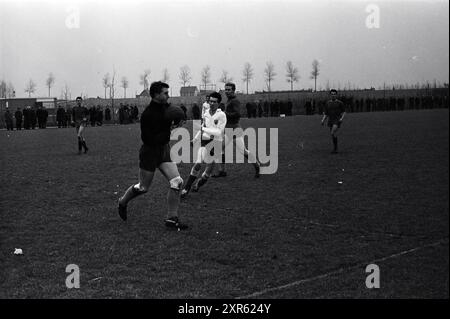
(294,234)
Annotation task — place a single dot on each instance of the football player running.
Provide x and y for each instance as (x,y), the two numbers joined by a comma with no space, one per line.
(211,136)
(155,153)
(335,112)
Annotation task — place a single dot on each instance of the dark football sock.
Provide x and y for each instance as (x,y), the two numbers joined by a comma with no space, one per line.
(335,142)
(189,182)
(202,181)
(222,164)
(173,201)
(130,193)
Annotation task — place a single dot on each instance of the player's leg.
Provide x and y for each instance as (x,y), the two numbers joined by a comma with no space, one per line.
(81,137)
(334,129)
(145,180)
(195,171)
(204,178)
(211,156)
(221,164)
(240,147)
(170,171)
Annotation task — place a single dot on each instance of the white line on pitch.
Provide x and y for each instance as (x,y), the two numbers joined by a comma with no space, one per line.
(340,270)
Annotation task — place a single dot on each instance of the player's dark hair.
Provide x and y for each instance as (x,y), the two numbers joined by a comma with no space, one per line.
(78,98)
(333,91)
(157,87)
(217,96)
(233,86)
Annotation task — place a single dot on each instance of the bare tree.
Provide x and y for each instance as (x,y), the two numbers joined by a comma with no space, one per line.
(6,90)
(206,76)
(10,92)
(225,78)
(49,82)
(3,88)
(247,74)
(106,82)
(124,83)
(145,79)
(185,75)
(66,92)
(315,73)
(166,76)
(291,74)
(112,91)
(269,73)
(30,87)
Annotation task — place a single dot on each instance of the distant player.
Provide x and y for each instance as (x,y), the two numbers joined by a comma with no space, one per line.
(79,114)
(210,134)
(205,106)
(232,110)
(155,153)
(335,112)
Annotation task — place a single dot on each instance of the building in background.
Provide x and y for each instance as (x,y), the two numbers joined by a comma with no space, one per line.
(189,91)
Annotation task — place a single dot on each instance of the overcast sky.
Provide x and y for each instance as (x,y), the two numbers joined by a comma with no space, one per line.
(410,45)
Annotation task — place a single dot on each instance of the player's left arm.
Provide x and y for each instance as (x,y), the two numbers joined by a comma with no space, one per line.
(325,115)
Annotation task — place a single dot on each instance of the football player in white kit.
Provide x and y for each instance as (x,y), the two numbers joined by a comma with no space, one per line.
(211,136)
(205,106)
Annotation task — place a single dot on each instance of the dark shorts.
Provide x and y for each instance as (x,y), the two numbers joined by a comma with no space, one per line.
(151,157)
(80,123)
(331,123)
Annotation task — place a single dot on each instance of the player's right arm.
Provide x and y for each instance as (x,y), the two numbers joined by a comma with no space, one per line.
(342,112)
(196,137)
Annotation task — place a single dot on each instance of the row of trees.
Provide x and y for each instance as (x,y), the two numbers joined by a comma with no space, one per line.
(109,81)
(30,87)
(185,76)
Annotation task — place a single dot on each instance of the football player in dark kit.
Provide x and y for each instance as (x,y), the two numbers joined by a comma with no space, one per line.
(79,115)
(233,117)
(155,153)
(335,112)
